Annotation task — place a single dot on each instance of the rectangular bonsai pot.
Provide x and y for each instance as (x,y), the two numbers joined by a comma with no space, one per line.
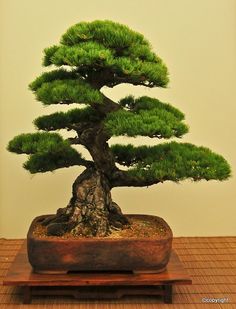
(57,255)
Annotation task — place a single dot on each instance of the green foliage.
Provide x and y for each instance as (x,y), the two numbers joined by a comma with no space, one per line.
(172,161)
(62,120)
(49,52)
(48,151)
(47,77)
(147,117)
(147,103)
(50,161)
(94,55)
(67,91)
(146,73)
(105,53)
(109,33)
(84,54)
(141,52)
(106,46)
(30,143)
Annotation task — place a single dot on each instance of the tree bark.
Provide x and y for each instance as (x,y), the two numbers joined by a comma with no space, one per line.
(91,211)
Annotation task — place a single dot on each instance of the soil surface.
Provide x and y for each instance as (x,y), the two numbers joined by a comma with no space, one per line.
(140,227)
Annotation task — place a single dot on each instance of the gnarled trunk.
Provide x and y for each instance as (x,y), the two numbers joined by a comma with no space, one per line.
(91,211)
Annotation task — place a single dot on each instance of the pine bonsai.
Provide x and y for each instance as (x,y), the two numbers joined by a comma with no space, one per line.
(92,55)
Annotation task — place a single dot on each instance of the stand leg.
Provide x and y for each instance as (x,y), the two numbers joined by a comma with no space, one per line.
(167,294)
(26,295)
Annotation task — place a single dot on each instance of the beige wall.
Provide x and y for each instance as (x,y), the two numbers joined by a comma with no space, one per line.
(196,39)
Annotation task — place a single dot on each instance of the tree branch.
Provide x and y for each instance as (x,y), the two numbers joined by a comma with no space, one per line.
(107,106)
(74,140)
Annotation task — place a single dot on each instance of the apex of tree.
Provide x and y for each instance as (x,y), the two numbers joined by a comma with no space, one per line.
(110,34)
(97,54)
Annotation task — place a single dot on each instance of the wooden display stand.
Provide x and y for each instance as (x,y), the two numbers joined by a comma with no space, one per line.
(95,285)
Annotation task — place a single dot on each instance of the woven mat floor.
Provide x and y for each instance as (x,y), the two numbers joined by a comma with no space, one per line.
(210,261)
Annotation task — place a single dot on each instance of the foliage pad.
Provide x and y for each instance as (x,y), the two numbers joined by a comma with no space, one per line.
(172,161)
(47,151)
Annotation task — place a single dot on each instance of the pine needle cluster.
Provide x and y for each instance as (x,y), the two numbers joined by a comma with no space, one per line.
(47,151)
(171,161)
(146,116)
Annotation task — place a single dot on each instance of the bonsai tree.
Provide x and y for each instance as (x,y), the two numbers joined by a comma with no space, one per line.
(90,56)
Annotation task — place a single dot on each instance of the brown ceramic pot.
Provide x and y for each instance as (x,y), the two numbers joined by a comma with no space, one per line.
(58,255)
